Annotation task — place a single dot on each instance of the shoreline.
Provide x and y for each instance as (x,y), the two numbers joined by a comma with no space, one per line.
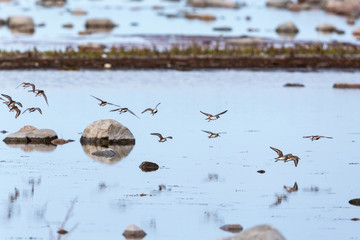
(184,63)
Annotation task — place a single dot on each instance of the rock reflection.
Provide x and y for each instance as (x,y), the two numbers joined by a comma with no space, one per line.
(120,150)
(34,147)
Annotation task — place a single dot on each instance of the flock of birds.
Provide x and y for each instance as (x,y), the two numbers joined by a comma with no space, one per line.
(14,107)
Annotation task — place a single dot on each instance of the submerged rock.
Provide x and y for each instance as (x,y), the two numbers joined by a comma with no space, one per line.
(133,231)
(30,134)
(344,85)
(278,3)
(261,232)
(22,24)
(328,28)
(233,228)
(102,23)
(148,166)
(106,132)
(294,85)
(61,141)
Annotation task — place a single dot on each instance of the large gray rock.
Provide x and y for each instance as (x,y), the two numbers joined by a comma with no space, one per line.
(278,3)
(106,132)
(287,27)
(261,232)
(22,24)
(30,134)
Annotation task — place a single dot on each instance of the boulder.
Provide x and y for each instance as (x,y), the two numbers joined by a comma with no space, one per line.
(287,27)
(213,3)
(102,23)
(148,166)
(245,41)
(261,232)
(30,134)
(343,7)
(21,24)
(328,28)
(133,231)
(345,85)
(106,132)
(277,3)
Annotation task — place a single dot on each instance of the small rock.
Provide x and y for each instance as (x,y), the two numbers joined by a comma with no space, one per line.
(294,7)
(91,47)
(294,85)
(233,228)
(99,23)
(213,3)
(261,171)
(78,11)
(3,131)
(222,29)
(328,28)
(261,232)
(30,134)
(355,202)
(355,219)
(107,65)
(344,85)
(68,25)
(203,17)
(245,41)
(61,141)
(356,33)
(278,3)
(133,231)
(107,153)
(350,21)
(247,18)
(288,27)
(148,166)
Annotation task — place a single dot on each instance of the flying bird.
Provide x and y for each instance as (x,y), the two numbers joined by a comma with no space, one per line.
(213,117)
(33,110)
(152,111)
(316,137)
(16,109)
(41,93)
(161,138)
(279,199)
(292,189)
(11,102)
(213,135)
(123,110)
(285,158)
(104,103)
(25,85)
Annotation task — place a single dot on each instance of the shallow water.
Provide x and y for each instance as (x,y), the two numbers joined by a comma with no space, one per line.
(209,182)
(150,22)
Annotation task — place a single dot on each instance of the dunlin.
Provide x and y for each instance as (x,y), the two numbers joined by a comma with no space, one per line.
(25,85)
(104,103)
(285,158)
(316,137)
(161,138)
(292,189)
(33,110)
(11,102)
(16,109)
(213,117)
(41,93)
(212,134)
(153,111)
(123,110)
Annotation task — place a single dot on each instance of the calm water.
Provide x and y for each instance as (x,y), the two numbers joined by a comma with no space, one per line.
(209,182)
(150,22)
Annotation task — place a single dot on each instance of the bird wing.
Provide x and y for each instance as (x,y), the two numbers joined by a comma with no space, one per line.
(112,104)
(132,113)
(295,187)
(32,86)
(148,109)
(325,137)
(222,112)
(207,132)
(307,136)
(207,114)
(114,110)
(43,94)
(157,134)
(18,103)
(97,98)
(7,96)
(28,109)
(170,137)
(280,153)
(157,105)
(20,84)
(39,110)
(17,112)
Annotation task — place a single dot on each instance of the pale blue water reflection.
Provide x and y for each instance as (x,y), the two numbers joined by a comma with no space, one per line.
(262,113)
